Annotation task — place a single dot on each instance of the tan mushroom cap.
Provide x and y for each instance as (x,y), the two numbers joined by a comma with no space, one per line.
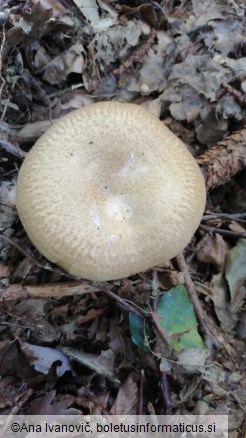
(109,191)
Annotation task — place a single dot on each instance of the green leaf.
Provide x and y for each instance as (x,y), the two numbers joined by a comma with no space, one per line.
(177,319)
(140,332)
(235,267)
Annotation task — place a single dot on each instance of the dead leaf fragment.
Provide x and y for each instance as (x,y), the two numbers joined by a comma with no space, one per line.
(235,268)
(214,251)
(192,360)
(127,398)
(42,358)
(47,405)
(70,61)
(219,296)
(102,364)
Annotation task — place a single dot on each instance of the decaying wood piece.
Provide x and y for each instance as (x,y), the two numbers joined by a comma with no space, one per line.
(223,160)
(17,291)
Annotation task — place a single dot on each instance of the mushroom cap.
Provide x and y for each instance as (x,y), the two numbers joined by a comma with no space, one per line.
(109,191)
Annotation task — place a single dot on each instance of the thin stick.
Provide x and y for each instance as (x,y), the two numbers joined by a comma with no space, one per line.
(209,216)
(123,303)
(141,394)
(236,234)
(166,394)
(30,257)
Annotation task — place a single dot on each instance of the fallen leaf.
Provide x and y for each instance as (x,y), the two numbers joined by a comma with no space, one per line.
(193,359)
(102,364)
(48,406)
(213,250)
(42,358)
(127,398)
(70,61)
(235,267)
(13,362)
(219,295)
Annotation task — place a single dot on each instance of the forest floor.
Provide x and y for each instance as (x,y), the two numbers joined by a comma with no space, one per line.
(72,346)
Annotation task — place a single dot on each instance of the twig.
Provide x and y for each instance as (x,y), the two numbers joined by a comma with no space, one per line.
(31,257)
(208,217)
(239,97)
(1,61)
(195,300)
(141,394)
(166,394)
(237,234)
(123,303)
(242,429)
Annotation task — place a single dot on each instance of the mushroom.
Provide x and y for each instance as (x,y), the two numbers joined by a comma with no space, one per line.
(109,191)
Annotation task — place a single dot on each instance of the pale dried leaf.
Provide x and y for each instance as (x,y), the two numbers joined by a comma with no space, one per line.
(102,364)
(70,61)
(192,360)
(89,9)
(42,358)
(8,193)
(216,376)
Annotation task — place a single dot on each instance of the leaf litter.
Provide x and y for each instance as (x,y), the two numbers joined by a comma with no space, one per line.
(73,350)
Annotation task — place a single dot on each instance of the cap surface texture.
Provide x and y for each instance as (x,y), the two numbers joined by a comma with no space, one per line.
(109,191)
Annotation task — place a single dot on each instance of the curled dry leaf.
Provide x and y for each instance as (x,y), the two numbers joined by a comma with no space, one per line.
(43,358)
(70,61)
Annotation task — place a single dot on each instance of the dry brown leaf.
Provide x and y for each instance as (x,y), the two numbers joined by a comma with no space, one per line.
(127,398)
(57,7)
(91,314)
(235,226)
(30,315)
(13,362)
(5,270)
(48,406)
(219,295)
(97,402)
(146,12)
(214,250)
